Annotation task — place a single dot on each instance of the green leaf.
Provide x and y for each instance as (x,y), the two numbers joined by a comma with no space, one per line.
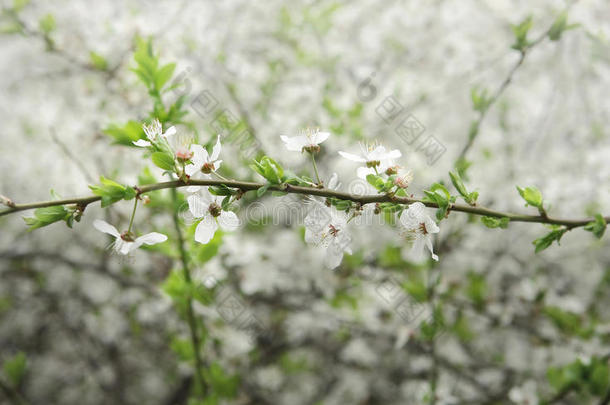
(14,368)
(47,24)
(19,5)
(560,26)
(480,100)
(597,227)
(111,191)
(98,61)
(163,75)
(269,169)
(470,198)
(125,135)
(442,199)
(546,241)
(531,195)
(492,222)
(261,191)
(163,160)
(520,31)
(46,216)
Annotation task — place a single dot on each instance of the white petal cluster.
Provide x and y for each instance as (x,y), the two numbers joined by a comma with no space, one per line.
(124,242)
(418,228)
(327,227)
(206,207)
(307,140)
(375,157)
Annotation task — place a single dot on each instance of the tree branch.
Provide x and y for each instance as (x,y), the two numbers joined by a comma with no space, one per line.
(320,192)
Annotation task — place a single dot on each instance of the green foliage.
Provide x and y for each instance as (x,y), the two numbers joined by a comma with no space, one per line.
(19,5)
(476,290)
(46,216)
(127,134)
(416,288)
(382,185)
(597,227)
(554,235)
(520,31)
(439,194)
(531,195)
(47,24)
(560,26)
(163,160)
(14,368)
(98,61)
(270,170)
(111,191)
(222,384)
(568,322)
(586,377)
(480,100)
(432,327)
(492,222)
(470,198)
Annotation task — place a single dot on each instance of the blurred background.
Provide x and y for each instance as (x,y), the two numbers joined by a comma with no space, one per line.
(490,323)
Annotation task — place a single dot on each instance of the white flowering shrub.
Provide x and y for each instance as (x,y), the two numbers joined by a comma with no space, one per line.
(314,203)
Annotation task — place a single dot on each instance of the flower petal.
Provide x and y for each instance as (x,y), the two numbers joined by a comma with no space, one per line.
(320,137)
(149,239)
(206,229)
(105,227)
(228,221)
(216,150)
(362,172)
(141,143)
(197,206)
(294,143)
(352,157)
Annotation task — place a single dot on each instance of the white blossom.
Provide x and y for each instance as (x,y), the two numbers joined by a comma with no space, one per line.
(153,132)
(418,228)
(376,158)
(327,227)
(308,140)
(206,207)
(125,242)
(203,163)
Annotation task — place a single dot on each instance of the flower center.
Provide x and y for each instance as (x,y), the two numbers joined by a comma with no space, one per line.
(128,236)
(333,231)
(391,170)
(215,209)
(373,163)
(184,154)
(422,228)
(311,148)
(208,167)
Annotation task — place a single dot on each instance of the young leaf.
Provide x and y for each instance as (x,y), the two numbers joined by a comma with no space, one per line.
(492,222)
(470,198)
(531,195)
(163,160)
(546,241)
(597,227)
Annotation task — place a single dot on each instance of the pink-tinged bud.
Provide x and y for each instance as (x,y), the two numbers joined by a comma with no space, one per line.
(403,181)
